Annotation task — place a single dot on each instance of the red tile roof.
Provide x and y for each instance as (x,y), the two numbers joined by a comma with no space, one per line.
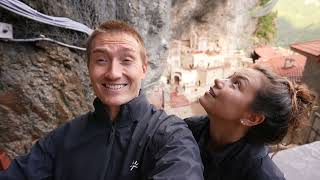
(309,47)
(178,100)
(266,52)
(278,65)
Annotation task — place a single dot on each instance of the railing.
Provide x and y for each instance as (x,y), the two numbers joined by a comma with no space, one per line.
(314,132)
(4,160)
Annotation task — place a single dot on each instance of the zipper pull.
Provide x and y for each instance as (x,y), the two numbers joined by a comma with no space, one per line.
(111,135)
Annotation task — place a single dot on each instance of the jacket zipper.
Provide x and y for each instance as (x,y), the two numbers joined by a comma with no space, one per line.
(108,152)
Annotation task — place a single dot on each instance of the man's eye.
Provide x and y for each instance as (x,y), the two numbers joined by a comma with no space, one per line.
(126,61)
(101,61)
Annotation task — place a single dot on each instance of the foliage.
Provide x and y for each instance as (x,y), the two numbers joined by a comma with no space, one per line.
(263,2)
(266,28)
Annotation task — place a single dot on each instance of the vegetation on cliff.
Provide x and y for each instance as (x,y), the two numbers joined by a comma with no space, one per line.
(266,28)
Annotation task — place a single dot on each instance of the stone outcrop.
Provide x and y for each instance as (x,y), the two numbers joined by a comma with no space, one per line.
(42,86)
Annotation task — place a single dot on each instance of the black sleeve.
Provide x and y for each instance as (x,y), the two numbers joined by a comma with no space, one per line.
(264,169)
(176,152)
(37,164)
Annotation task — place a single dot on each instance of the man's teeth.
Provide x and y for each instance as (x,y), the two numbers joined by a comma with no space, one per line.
(114,87)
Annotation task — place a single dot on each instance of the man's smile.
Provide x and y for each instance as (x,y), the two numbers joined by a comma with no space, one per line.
(114,86)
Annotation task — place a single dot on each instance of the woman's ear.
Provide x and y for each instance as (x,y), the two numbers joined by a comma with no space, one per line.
(252,120)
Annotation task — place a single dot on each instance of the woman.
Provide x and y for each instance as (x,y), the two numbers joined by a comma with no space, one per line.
(249,110)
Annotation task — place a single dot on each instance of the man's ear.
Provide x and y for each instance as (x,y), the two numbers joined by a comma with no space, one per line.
(252,119)
(144,70)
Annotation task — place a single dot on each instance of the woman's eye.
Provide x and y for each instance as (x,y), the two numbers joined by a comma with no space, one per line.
(237,83)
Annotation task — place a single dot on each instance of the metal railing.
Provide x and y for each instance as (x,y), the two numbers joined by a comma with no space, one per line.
(314,132)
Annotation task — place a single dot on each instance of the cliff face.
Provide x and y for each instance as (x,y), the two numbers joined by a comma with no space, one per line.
(226,24)
(43,84)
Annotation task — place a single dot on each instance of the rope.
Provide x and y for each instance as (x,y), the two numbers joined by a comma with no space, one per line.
(44,39)
(22,9)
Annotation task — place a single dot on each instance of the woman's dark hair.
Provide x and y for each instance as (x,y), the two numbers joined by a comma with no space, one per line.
(286,106)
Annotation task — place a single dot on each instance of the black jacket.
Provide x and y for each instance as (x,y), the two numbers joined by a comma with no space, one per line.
(143,143)
(240,160)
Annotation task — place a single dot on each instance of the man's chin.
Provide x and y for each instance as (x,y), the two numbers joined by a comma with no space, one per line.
(113,102)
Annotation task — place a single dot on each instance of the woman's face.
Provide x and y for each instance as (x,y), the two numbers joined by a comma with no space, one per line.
(229,99)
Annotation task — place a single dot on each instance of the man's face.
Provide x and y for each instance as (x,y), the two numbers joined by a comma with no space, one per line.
(116,68)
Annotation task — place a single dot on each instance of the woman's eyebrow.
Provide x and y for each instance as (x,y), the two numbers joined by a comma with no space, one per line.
(232,75)
(244,78)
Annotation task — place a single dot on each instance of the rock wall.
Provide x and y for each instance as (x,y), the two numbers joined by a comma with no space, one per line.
(227,24)
(43,85)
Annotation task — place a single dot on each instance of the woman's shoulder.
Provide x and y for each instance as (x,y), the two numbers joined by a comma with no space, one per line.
(197,124)
(195,121)
(262,167)
(251,162)
(267,170)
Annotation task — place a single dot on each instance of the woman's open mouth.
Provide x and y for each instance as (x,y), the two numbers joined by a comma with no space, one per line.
(211,91)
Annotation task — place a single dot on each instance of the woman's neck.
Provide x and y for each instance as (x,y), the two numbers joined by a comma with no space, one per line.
(224,132)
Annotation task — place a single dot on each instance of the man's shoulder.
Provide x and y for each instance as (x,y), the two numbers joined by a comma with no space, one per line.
(76,123)
(172,123)
(167,127)
(164,123)
(67,130)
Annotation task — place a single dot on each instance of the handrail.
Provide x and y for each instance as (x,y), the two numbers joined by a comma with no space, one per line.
(44,39)
(22,9)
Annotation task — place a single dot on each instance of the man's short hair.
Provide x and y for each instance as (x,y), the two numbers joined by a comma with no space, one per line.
(116,26)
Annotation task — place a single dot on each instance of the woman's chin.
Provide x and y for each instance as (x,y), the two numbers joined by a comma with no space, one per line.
(201,100)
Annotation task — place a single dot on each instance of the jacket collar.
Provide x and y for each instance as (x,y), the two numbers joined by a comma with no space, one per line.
(129,112)
(98,123)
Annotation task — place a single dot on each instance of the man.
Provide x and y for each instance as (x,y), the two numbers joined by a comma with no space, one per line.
(125,137)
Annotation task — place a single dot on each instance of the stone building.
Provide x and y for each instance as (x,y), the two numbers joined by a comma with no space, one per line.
(311,74)
(193,64)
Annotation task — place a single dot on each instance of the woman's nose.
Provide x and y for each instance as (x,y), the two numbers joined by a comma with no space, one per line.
(219,83)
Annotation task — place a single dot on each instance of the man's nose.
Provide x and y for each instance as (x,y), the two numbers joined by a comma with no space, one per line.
(114,70)
(219,83)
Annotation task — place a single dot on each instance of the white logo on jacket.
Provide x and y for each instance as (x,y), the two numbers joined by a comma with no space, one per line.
(133,165)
